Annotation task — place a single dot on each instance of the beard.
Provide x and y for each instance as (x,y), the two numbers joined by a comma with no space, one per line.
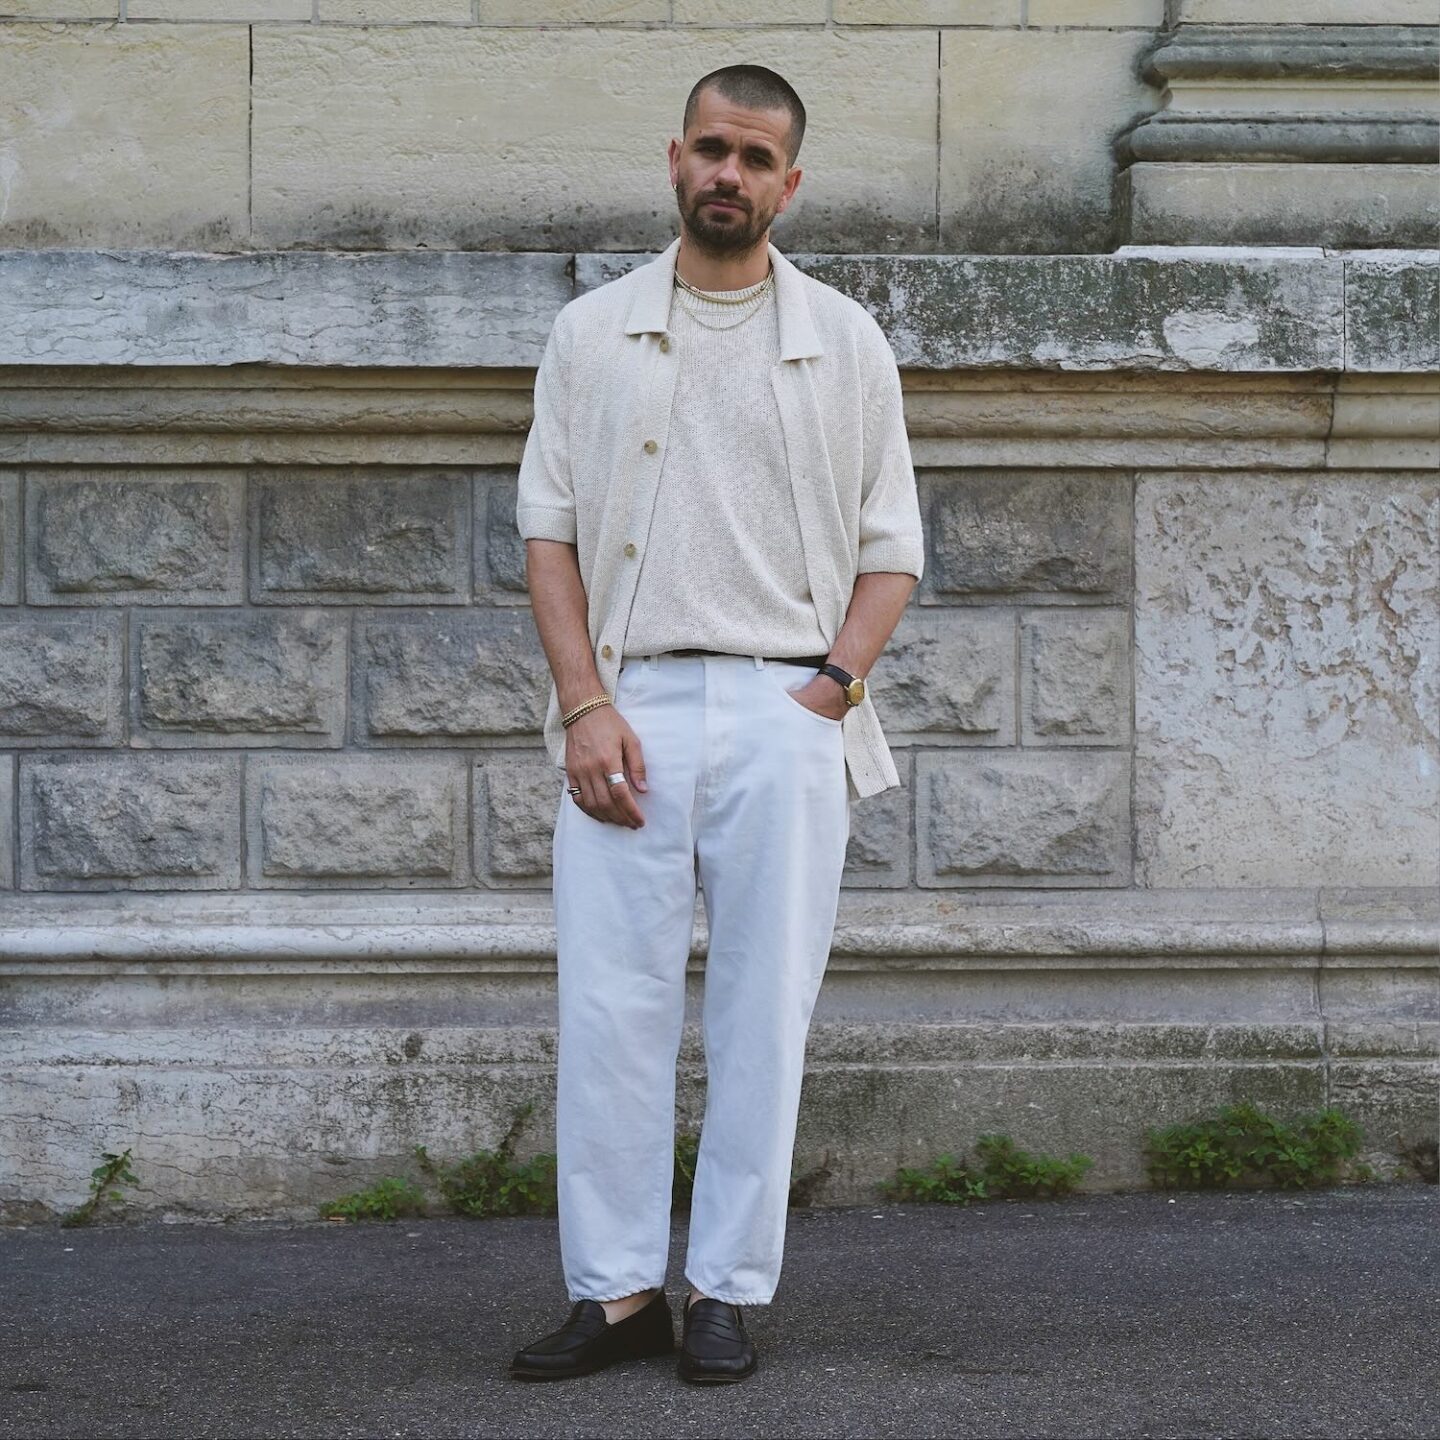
(721,233)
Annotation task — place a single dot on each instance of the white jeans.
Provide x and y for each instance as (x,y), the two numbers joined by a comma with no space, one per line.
(746,792)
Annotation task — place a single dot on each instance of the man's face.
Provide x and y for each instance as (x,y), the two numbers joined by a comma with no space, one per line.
(737,156)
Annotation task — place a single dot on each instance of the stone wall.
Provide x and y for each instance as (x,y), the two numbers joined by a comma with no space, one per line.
(274,810)
(935,126)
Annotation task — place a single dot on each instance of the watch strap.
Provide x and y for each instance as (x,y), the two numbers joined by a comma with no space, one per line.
(854,689)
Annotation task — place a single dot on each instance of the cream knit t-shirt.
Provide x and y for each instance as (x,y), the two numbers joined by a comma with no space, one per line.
(724,510)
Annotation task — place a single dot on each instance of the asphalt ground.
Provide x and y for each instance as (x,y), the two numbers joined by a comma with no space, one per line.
(1295,1314)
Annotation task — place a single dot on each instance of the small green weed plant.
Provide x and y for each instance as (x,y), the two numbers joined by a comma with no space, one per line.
(1003,1171)
(1242,1147)
(493,1182)
(107,1183)
(489,1182)
(388,1198)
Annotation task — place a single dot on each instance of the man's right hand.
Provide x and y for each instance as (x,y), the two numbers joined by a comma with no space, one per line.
(596,745)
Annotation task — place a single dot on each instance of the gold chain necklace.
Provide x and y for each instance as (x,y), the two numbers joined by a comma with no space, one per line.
(759,287)
(755,300)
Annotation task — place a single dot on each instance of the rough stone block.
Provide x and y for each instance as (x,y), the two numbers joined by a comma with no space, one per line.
(1147,13)
(1391,1040)
(927,12)
(61,680)
(1028,534)
(1392,311)
(517,796)
(947,677)
(1027,122)
(141,822)
(1075,677)
(131,135)
(438,678)
(763,12)
(1392,1100)
(1390,1015)
(1279,203)
(135,536)
(1156,307)
(881,842)
(1037,818)
(220,10)
(1287,722)
(9,536)
(372,12)
(499,551)
(376,539)
(573,12)
(240,679)
(63,9)
(510,143)
(1145,308)
(1055,1107)
(357,821)
(292,308)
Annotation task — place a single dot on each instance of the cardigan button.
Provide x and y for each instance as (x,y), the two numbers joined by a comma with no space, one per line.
(629,547)
(650,447)
(606,651)
(664,342)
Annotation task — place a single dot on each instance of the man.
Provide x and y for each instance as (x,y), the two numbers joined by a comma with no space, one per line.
(722,531)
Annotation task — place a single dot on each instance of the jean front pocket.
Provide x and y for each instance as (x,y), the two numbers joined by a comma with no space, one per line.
(632,682)
(796,677)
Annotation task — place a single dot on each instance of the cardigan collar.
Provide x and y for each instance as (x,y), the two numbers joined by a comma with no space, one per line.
(650,309)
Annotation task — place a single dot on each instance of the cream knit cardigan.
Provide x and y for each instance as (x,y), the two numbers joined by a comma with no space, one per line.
(593,457)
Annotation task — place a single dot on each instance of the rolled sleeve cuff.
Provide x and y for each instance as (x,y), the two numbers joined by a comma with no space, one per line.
(905,557)
(546,522)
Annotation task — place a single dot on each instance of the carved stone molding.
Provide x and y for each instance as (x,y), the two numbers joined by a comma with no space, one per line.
(1287,134)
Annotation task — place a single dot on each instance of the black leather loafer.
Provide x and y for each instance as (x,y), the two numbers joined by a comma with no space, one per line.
(588,1341)
(714,1347)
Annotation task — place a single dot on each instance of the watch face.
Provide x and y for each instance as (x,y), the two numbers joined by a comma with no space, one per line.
(855,691)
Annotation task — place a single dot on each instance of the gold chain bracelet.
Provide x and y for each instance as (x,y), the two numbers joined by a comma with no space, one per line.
(584,708)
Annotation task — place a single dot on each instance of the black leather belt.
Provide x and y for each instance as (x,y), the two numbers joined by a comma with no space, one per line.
(816,660)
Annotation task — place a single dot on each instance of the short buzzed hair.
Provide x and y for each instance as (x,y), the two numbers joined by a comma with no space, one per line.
(756,88)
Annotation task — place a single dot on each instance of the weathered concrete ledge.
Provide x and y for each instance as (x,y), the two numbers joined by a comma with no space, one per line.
(1176,308)
(1173,926)
(271,415)
(263,1054)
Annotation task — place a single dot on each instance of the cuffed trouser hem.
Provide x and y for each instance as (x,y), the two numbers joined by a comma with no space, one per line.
(618,1294)
(729,1299)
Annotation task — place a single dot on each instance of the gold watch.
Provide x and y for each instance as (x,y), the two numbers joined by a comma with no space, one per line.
(854,689)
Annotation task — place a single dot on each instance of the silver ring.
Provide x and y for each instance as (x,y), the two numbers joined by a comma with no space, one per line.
(573,789)
(617,778)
